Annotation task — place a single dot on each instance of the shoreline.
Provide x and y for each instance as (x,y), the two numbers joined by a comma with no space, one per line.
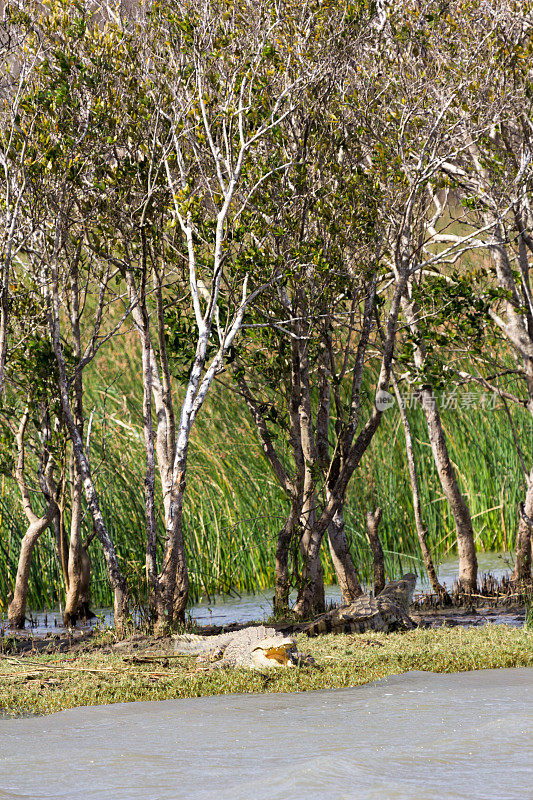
(501,607)
(99,670)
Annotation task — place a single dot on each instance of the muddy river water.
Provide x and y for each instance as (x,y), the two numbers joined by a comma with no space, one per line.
(225,609)
(418,736)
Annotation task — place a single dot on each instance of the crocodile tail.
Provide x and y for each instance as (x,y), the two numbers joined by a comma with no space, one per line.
(338,625)
(318,627)
(331,624)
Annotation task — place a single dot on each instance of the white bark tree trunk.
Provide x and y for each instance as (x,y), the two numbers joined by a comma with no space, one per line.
(37,526)
(458,506)
(524,537)
(417,505)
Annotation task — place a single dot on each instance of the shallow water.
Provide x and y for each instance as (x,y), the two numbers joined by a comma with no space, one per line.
(418,736)
(224,609)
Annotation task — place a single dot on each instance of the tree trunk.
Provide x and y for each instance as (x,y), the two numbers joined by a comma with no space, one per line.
(61,543)
(173,578)
(281,568)
(311,599)
(181,589)
(524,539)
(75,576)
(421,530)
(116,578)
(17,607)
(313,584)
(84,599)
(373,518)
(463,524)
(149,480)
(77,567)
(342,559)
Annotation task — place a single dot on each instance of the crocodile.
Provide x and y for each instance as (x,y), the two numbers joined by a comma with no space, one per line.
(388,611)
(251,648)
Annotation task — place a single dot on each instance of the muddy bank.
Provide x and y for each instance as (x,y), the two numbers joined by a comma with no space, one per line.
(514,615)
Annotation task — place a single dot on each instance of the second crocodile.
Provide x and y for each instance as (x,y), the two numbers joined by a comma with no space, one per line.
(389,611)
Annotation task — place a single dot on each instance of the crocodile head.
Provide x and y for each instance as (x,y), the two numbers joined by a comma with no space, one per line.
(276,651)
(401,592)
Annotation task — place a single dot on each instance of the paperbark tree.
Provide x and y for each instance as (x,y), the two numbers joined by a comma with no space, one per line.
(188,161)
(37,524)
(397,120)
(469,89)
(309,329)
(33,442)
(421,528)
(229,93)
(492,176)
(32,382)
(55,126)
(418,95)
(15,143)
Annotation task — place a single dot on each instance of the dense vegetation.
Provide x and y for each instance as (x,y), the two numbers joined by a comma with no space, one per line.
(234,508)
(234,234)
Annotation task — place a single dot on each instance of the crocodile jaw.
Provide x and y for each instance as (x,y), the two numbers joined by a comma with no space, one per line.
(275,654)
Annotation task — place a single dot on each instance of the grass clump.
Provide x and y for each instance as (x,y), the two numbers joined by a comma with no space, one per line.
(45,683)
(528,624)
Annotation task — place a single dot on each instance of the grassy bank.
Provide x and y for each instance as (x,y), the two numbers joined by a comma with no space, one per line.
(101,673)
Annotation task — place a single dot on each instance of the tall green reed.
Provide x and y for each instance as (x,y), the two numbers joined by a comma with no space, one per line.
(234,506)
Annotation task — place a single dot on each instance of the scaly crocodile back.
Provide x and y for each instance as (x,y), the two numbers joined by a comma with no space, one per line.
(189,643)
(386,612)
(357,617)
